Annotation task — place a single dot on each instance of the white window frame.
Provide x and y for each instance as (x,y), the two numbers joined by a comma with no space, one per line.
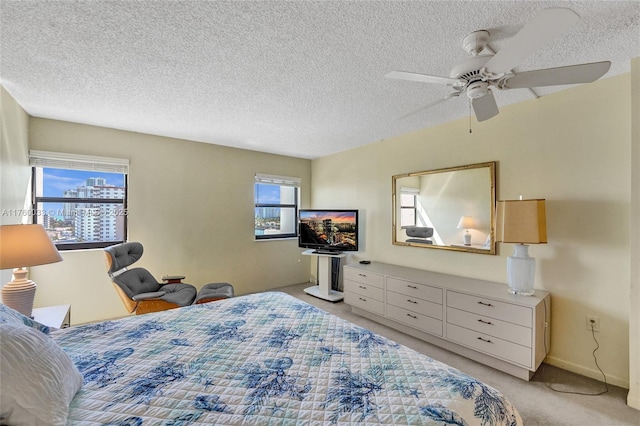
(290,219)
(413,192)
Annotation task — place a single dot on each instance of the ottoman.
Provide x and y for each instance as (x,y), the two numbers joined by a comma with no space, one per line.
(214,291)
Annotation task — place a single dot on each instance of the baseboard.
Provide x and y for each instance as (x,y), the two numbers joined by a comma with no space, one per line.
(587,372)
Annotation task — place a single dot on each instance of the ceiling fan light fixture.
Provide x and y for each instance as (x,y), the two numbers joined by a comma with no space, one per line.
(477,89)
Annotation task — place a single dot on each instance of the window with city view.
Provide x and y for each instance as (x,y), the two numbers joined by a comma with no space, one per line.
(80,209)
(276,208)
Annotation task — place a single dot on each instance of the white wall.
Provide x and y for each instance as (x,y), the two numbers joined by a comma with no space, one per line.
(572,149)
(190,205)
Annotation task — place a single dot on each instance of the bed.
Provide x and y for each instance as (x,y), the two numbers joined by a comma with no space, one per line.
(264,359)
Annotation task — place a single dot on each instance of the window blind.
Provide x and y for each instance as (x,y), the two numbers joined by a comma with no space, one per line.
(406,190)
(278,180)
(59,160)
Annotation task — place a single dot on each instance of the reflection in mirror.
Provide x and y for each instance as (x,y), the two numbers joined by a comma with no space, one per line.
(449,209)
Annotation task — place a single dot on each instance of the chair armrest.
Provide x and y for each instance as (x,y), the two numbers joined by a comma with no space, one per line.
(172,279)
(146,296)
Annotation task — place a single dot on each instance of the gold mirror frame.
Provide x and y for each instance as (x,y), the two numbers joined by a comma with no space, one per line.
(443,187)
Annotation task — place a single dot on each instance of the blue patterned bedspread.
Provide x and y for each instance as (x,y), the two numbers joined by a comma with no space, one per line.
(264,359)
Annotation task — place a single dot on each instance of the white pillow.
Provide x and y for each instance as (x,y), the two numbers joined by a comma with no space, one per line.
(38,379)
(10,315)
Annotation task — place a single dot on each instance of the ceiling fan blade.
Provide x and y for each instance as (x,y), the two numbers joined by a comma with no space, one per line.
(423,78)
(429,105)
(485,107)
(573,74)
(546,26)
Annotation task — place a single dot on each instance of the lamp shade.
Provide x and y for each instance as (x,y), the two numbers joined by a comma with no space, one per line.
(466,222)
(521,221)
(26,245)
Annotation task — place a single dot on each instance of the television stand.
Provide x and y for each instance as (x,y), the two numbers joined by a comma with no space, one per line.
(323,289)
(327,252)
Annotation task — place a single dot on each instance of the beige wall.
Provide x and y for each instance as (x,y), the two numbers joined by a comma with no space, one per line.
(14,164)
(633,398)
(572,149)
(190,205)
(14,158)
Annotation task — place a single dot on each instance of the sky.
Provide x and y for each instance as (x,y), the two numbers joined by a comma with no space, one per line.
(56,181)
(336,216)
(267,193)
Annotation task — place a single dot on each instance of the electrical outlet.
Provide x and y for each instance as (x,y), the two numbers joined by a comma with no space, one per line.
(593,322)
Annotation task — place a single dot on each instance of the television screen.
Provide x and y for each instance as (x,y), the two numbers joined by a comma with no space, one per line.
(328,230)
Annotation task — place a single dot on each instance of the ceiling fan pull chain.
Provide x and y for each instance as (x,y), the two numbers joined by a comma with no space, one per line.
(470,116)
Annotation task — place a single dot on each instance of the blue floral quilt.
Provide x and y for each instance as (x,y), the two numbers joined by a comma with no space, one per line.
(264,359)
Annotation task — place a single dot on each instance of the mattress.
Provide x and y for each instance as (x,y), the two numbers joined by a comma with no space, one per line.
(264,359)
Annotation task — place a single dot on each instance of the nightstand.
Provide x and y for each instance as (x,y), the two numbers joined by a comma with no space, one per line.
(53,316)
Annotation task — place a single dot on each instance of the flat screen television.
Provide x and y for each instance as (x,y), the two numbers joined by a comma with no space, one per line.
(328,231)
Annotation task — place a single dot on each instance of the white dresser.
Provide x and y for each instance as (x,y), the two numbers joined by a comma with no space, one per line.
(477,319)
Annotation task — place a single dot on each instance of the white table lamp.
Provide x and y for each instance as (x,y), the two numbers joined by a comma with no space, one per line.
(521,222)
(466,222)
(22,246)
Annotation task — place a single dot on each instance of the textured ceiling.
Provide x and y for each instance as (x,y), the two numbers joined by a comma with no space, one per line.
(304,79)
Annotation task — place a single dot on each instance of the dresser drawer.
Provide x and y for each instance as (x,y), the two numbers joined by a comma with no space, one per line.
(415,320)
(364,277)
(421,291)
(364,290)
(490,345)
(490,326)
(515,314)
(364,302)
(414,304)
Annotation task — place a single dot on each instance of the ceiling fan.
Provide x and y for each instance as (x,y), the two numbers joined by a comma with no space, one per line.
(480,74)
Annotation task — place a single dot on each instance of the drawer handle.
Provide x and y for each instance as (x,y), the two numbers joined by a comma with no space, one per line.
(412,316)
(485,322)
(484,304)
(412,301)
(485,340)
(362,286)
(364,300)
(363,275)
(412,286)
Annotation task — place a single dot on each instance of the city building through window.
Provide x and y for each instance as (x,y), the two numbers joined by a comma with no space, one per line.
(81,201)
(276,206)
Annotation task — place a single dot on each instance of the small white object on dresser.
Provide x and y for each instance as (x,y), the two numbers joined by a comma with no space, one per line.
(474,318)
(53,316)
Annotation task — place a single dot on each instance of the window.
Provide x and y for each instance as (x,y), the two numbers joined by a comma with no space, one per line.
(80,200)
(408,206)
(276,206)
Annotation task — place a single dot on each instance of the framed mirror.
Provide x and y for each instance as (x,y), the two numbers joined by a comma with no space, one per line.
(448,209)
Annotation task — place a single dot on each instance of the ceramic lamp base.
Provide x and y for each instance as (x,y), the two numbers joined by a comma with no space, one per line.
(19,293)
(521,270)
